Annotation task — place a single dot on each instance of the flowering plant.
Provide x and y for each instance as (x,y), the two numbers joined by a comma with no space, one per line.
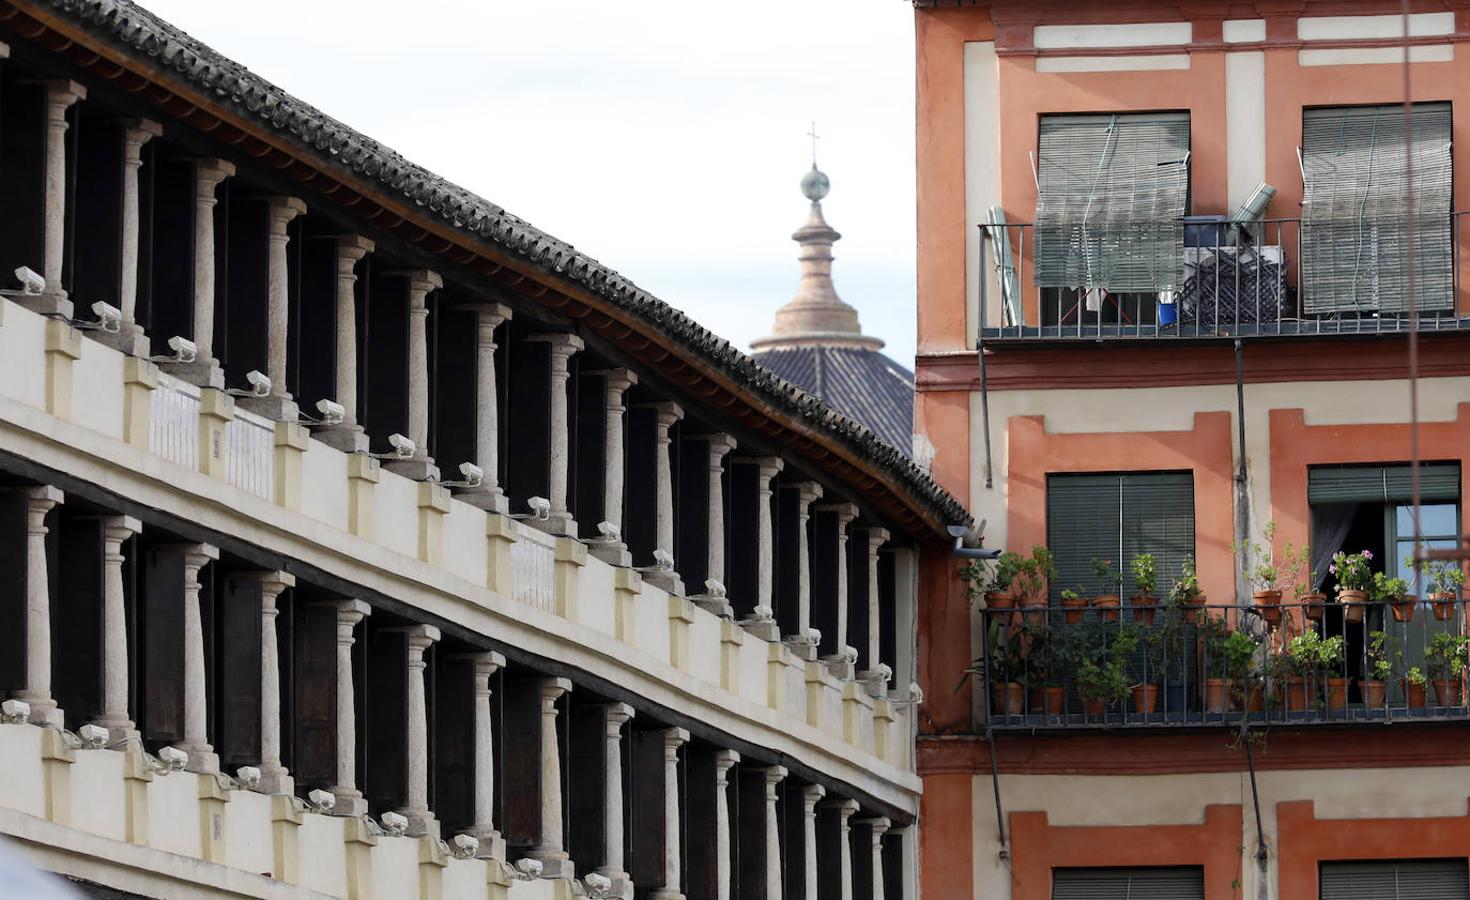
(1109,579)
(1352,571)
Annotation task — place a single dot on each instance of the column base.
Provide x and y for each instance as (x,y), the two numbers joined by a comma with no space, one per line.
(47,304)
(666,579)
(839,667)
(347,438)
(555,864)
(800,647)
(44,710)
(875,683)
(720,606)
(201,372)
(492,844)
(279,407)
(201,759)
(420,822)
(276,780)
(490,499)
(558,524)
(349,802)
(414,468)
(122,734)
(665,894)
(129,339)
(622,884)
(765,629)
(614,553)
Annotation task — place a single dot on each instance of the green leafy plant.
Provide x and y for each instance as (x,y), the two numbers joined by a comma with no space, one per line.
(1415,675)
(1442,578)
(1353,571)
(1109,579)
(1379,656)
(1263,568)
(1239,651)
(1071,593)
(1445,655)
(1186,588)
(1386,589)
(1145,573)
(1102,664)
(1034,571)
(1309,653)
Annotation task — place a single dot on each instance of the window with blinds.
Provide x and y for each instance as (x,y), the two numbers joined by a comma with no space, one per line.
(1171,883)
(1355,228)
(1111,196)
(1116,516)
(1438,482)
(1416,879)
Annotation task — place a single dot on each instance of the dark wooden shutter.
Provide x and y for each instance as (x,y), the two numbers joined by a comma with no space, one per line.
(1418,879)
(586,775)
(529,406)
(893,864)
(385,403)
(787,573)
(1438,482)
(1177,883)
(888,610)
(76,614)
(646,799)
(96,233)
(641,481)
(23,160)
(316,370)
(248,241)
(13,592)
(237,686)
(744,558)
(457,395)
(829,853)
(793,830)
(385,714)
(857,597)
(454,757)
(173,246)
(591,469)
(1083,521)
(824,562)
(691,503)
(1158,518)
(750,864)
(163,646)
(699,844)
(315,679)
(521,768)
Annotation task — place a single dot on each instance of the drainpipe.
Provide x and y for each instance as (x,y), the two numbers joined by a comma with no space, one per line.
(958,532)
(1242,486)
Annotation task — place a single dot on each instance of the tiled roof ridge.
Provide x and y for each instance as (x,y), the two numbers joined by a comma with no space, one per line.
(125,23)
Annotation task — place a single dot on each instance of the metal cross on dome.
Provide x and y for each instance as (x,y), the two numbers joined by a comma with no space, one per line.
(815,137)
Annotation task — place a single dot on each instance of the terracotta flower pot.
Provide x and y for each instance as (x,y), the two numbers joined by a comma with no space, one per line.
(1035,609)
(1009,698)
(1143,608)
(1000,600)
(1106,606)
(1075,607)
(1414,694)
(1403,608)
(1443,606)
(1373,692)
(1054,700)
(1301,694)
(1354,603)
(1192,608)
(1313,605)
(1145,698)
(1095,708)
(1268,604)
(1448,692)
(1215,695)
(1337,689)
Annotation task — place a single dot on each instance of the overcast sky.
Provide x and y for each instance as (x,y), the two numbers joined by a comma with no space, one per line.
(666,138)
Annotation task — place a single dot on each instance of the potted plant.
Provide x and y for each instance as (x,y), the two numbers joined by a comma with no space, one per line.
(1379,669)
(1006,667)
(1186,595)
(1394,592)
(1000,591)
(1445,660)
(1414,681)
(1033,575)
(1040,669)
(1146,579)
(1354,582)
(1240,649)
(1142,652)
(1313,601)
(1263,573)
(1213,634)
(1074,603)
(1310,657)
(1102,677)
(1109,581)
(1444,583)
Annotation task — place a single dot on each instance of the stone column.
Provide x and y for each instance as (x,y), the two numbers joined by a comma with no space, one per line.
(350,801)
(421,466)
(279,405)
(130,338)
(562,347)
(713,599)
(347,436)
(875,677)
(674,738)
(114,717)
(611,548)
(845,811)
(774,775)
(662,573)
(810,794)
(274,778)
(416,808)
(205,370)
(842,663)
(877,827)
(488,495)
(618,715)
(556,863)
(492,845)
(801,642)
(40,500)
(724,761)
(762,620)
(202,757)
(60,95)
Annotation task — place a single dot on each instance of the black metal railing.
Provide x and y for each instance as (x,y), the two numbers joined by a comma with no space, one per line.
(1136,666)
(1229,279)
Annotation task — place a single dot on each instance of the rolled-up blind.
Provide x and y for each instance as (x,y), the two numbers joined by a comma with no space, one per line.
(1172,883)
(1418,879)
(1111,195)
(1355,234)
(1438,482)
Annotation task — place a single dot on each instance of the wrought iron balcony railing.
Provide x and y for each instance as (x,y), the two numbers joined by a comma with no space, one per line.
(1217,279)
(1159,667)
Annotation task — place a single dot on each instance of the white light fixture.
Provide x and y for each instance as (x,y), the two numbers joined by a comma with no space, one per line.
(322,801)
(403,448)
(15,711)
(332,413)
(598,885)
(528,869)
(394,824)
(173,758)
(30,280)
(248,776)
(474,476)
(464,846)
(260,383)
(540,507)
(663,560)
(109,317)
(813,636)
(185,350)
(883,672)
(94,737)
(916,693)
(850,655)
(714,588)
(763,613)
(609,531)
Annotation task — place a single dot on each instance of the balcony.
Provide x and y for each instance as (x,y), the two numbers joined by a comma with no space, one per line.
(1263,278)
(1090,668)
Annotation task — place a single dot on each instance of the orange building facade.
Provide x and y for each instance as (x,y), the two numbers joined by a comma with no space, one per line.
(1170,258)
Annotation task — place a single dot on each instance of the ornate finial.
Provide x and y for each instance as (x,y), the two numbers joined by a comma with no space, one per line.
(814,184)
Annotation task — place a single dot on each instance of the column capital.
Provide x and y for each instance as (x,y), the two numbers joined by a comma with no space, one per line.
(674,738)
(282,210)
(846,808)
(120,528)
(136,133)
(487,662)
(769,466)
(877,537)
(489,315)
(196,556)
(665,412)
(618,715)
(208,173)
(350,612)
(725,760)
(618,380)
(720,445)
(807,492)
(846,512)
(350,249)
(810,794)
(879,824)
(563,343)
(773,776)
(42,497)
(420,283)
(551,689)
(419,637)
(63,92)
(271,582)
